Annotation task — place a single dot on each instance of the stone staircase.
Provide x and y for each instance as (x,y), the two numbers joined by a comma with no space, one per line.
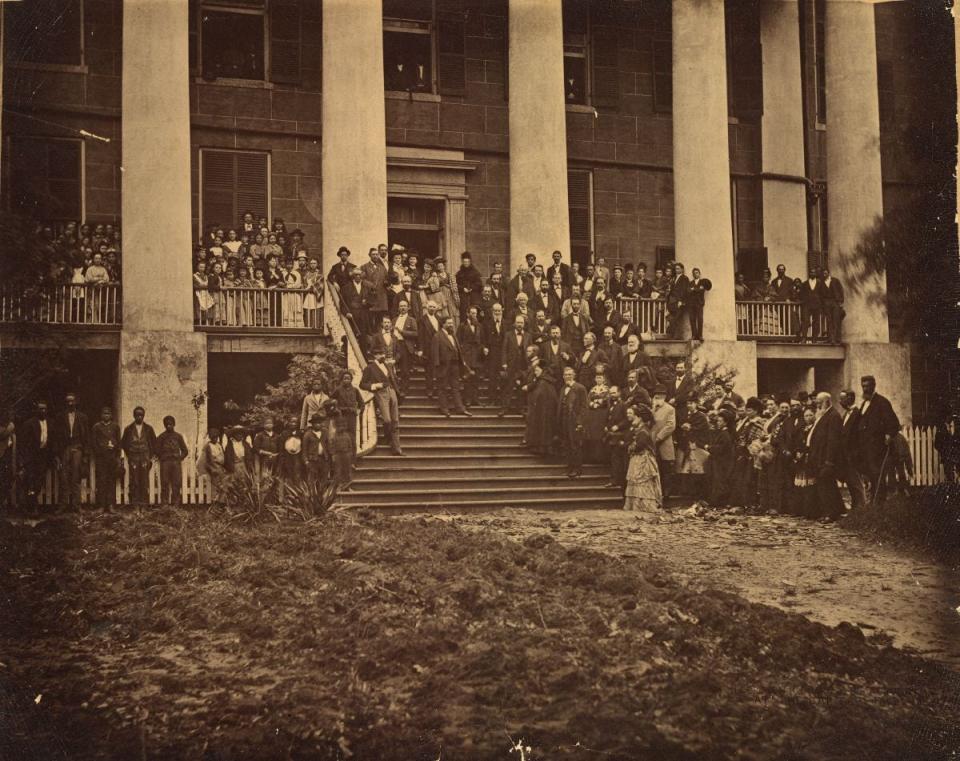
(469,463)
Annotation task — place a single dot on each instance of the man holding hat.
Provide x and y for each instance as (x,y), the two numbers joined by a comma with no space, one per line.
(380,379)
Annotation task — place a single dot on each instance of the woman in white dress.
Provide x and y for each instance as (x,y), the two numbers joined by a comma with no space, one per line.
(293,300)
(203,309)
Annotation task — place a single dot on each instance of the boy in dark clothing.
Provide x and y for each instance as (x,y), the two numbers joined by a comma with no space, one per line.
(172,451)
(341,450)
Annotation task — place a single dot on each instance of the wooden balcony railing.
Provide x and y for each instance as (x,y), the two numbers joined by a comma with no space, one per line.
(258,308)
(94,305)
(650,315)
(771,320)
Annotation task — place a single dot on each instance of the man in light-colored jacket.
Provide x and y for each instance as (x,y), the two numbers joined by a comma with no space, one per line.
(664,424)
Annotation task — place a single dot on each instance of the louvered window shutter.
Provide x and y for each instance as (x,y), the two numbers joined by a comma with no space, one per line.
(285,41)
(233,183)
(451,64)
(578,206)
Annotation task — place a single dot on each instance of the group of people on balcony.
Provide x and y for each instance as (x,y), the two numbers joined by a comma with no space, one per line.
(818,300)
(256,275)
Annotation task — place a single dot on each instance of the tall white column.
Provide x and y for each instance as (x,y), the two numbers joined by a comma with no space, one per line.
(784,201)
(163,361)
(854,183)
(354,152)
(701,160)
(539,217)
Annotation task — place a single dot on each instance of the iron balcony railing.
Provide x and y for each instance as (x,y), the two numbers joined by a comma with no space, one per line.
(71,304)
(757,320)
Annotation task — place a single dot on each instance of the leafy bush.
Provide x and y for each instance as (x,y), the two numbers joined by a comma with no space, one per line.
(285,399)
(253,498)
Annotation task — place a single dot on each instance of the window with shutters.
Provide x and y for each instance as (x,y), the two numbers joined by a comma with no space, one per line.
(408,46)
(233,40)
(662,75)
(576,65)
(46,178)
(744,61)
(231,184)
(580,211)
(44,32)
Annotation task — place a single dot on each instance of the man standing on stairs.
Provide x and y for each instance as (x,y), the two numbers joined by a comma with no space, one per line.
(429,327)
(513,366)
(493,333)
(447,360)
(380,379)
(471,346)
(406,331)
(573,406)
(556,354)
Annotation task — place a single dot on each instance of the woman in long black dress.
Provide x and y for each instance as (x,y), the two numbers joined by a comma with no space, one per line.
(746,447)
(720,462)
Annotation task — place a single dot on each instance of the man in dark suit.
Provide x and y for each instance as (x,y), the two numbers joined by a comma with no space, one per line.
(485,306)
(587,361)
(849,452)
(375,275)
(496,288)
(558,267)
(811,303)
(572,408)
(823,457)
(616,429)
(448,361)
(406,296)
(519,283)
(635,358)
(385,341)
(35,447)
(557,294)
(782,285)
(683,387)
(832,305)
(543,302)
(469,284)
(695,299)
(575,325)
(627,328)
(612,356)
(380,379)
(72,433)
(469,334)
(139,444)
(633,393)
(540,330)
(356,297)
(105,444)
(677,300)
(314,450)
(513,358)
(494,329)
(556,354)
(407,332)
(429,327)
(876,428)
(340,272)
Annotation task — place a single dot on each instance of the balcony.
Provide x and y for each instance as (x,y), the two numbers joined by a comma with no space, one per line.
(774,325)
(258,310)
(649,315)
(93,306)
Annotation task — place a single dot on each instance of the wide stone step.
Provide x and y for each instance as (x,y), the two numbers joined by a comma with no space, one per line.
(506,495)
(411,469)
(397,481)
(464,440)
(565,502)
(486,458)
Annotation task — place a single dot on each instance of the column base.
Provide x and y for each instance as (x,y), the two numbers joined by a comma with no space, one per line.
(889,363)
(732,355)
(162,371)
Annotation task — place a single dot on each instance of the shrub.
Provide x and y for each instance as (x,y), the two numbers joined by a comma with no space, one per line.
(253,498)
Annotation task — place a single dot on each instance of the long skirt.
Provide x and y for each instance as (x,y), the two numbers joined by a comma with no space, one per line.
(594,448)
(541,418)
(643,492)
(743,490)
(774,482)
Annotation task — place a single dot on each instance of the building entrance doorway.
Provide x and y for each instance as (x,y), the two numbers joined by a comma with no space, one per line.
(417,225)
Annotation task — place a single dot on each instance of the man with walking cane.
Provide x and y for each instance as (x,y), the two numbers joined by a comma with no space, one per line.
(877,426)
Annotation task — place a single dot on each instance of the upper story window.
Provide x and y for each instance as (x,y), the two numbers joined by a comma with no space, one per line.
(408,46)
(45,32)
(46,178)
(576,64)
(233,41)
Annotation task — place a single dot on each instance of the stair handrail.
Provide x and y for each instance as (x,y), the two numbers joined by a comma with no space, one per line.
(339,329)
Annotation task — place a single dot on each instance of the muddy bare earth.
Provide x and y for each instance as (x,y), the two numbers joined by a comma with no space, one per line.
(181,634)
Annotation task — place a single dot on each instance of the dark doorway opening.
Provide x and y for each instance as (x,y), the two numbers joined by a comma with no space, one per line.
(233,380)
(416,224)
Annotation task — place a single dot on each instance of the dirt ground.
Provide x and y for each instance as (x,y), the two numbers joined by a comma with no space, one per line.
(825,573)
(181,634)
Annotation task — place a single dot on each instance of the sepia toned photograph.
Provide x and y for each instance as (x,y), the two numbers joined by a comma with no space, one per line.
(479,380)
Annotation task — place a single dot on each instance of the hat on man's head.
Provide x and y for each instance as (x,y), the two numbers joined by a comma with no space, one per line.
(317,417)
(659,390)
(296,231)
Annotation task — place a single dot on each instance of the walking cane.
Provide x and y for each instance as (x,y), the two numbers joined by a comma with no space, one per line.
(883,464)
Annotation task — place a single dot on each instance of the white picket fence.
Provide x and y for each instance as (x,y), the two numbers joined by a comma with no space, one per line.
(927,470)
